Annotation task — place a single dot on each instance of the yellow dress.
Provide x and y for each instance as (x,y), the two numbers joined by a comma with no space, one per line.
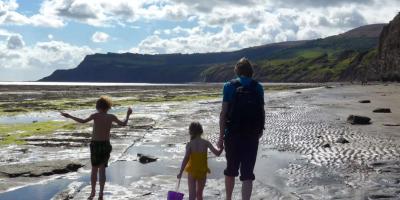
(197,166)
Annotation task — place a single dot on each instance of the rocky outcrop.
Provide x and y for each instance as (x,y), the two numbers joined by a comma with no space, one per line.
(389,51)
(382,110)
(356,119)
(37,169)
(144,159)
(364,101)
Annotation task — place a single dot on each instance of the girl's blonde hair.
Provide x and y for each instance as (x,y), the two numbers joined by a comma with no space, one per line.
(195,130)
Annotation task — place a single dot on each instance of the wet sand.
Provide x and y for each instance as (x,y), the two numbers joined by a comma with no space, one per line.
(294,161)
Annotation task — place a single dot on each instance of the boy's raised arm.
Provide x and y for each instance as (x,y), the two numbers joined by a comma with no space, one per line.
(77,119)
(125,122)
(215,151)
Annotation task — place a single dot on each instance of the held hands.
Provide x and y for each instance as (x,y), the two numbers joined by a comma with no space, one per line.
(220,150)
(64,114)
(220,143)
(129,112)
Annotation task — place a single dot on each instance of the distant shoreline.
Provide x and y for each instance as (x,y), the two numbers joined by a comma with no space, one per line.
(39,83)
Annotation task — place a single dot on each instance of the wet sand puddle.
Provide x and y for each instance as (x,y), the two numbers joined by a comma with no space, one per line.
(292,164)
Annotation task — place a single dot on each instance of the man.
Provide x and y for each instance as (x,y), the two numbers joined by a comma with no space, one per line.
(241,124)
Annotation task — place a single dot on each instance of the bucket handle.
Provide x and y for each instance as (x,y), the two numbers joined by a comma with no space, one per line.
(177,185)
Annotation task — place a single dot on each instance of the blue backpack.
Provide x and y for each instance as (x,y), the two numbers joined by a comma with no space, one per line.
(246,114)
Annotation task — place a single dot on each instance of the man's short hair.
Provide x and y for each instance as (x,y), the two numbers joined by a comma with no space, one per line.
(244,68)
(103,103)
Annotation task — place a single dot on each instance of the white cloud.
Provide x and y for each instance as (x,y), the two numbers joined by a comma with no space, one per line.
(111,13)
(50,36)
(100,37)
(15,42)
(10,16)
(262,22)
(22,62)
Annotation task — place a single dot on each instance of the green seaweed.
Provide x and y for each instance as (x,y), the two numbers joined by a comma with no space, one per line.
(15,133)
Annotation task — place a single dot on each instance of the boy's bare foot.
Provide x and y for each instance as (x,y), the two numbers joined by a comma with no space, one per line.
(92,194)
(100,197)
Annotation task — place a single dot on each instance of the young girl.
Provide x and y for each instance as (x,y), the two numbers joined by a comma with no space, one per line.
(195,161)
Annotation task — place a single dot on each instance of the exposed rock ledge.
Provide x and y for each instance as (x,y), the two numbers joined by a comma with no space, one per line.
(37,169)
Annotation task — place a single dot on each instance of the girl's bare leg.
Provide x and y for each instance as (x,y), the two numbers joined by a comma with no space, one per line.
(192,187)
(200,187)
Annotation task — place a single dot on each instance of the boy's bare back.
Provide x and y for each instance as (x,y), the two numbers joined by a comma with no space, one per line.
(102,126)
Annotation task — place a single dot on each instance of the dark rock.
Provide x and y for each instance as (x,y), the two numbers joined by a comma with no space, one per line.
(381,196)
(327,145)
(328,87)
(364,101)
(342,140)
(144,159)
(382,110)
(356,119)
(298,92)
(37,169)
(391,124)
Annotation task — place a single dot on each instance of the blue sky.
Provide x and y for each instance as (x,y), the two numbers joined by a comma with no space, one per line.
(40,36)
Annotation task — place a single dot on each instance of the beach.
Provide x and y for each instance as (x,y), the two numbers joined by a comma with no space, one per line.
(308,150)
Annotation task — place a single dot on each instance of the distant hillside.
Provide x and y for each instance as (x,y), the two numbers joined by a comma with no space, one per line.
(333,58)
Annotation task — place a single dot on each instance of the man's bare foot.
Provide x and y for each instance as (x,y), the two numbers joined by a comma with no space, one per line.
(100,197)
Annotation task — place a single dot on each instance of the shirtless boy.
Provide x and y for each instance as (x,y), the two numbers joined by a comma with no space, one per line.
(100,147)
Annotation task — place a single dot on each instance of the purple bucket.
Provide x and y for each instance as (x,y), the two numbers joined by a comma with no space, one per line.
(175,195)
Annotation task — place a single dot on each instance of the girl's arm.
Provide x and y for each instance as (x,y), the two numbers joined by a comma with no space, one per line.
(215,151)
(90,118)
(125,122)
(185,161)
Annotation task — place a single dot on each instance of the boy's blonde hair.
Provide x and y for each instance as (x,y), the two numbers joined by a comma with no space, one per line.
(195,130)
(244,68)
(103,103)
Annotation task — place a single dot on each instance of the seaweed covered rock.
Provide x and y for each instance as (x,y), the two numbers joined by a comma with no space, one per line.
(144,159)
(382,110)
(342,140)
(357,119)
(364,101)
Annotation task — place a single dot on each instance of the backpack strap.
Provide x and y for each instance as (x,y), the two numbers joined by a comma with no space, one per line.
(253,84)
(235,83)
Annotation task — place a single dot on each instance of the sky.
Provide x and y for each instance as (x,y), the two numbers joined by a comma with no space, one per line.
(39,36)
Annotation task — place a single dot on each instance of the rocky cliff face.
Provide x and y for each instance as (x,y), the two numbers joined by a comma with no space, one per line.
(389,51)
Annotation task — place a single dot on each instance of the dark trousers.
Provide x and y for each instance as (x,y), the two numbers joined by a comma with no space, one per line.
(241,154)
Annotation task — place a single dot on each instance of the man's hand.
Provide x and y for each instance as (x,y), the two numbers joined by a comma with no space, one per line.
(129,112)
(64,114)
